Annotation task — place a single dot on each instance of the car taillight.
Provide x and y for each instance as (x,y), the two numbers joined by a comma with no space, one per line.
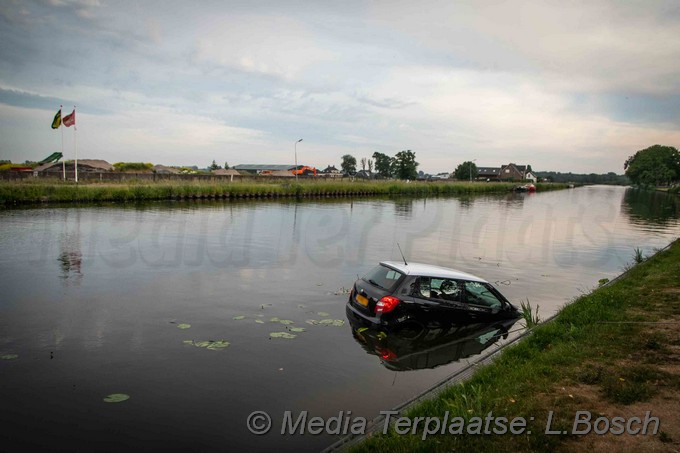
(387,354)
(386,304)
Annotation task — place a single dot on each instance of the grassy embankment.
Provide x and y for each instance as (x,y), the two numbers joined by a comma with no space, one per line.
(65,192)
(613,352)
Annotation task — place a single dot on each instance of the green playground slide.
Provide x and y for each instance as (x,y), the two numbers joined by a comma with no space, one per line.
(54,157)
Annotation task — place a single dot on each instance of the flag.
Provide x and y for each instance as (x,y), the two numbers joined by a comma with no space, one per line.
(56,122)
(70,119)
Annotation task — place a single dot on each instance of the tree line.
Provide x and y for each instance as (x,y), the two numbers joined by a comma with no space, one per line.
(610,178)
(402,165)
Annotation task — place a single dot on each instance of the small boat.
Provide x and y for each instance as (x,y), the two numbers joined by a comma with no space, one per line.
(525,188)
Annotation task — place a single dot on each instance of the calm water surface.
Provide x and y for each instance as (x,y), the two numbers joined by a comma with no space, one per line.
(92,299)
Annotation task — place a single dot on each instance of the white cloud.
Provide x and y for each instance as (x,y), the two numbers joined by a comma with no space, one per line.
(164,135)
(595,45)
(272,45)
(458,114)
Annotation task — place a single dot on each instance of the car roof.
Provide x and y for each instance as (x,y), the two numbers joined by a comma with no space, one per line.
(428,270)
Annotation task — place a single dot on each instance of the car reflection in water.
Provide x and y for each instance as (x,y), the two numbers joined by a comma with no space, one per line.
(419,346)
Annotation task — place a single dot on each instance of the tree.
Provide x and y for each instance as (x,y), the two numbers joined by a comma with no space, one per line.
(579,178)
(383,164)
(466,171)
(370,165)
(405,165)
(655,165)
(226,165)
(363,163)
(349,164)
(214,166)
(132,166)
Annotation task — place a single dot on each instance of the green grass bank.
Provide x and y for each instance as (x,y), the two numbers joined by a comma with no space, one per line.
(26,192)
(614,352)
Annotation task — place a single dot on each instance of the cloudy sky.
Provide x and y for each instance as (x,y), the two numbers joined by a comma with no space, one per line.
(561,85)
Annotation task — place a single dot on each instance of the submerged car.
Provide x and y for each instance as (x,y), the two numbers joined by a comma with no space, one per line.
(394,294)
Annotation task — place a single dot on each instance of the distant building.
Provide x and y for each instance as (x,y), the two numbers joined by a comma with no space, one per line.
(364,174)
(163,170)
(331,172)
(530,177)
(512,172)
(226,172)
(84,165)
(259,168)
(509,172)
(231,173)
(488,173)
(279,173)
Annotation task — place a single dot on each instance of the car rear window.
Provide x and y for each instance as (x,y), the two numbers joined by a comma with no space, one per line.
(382,276)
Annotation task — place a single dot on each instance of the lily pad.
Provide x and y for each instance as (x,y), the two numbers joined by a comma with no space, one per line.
(183,326)
(323,313)
(332,322)
(116,398)
(297,329)
(218,345)
(362,329)
(286,322)
(209,344)
(312,322)
(238,318)
(275,319)
(282,335)
(259,321)
(9,356)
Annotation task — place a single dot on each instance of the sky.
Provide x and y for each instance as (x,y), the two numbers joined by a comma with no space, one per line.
(561,85)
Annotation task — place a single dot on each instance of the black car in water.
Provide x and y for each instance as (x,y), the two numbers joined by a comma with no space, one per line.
(397,294)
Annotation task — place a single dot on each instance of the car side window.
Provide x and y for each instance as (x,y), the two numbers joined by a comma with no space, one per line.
(437,289)
(477,293)
(450,290)
(421,287)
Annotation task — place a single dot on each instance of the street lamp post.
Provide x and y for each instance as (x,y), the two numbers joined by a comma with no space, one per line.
(296,167)
(473,161)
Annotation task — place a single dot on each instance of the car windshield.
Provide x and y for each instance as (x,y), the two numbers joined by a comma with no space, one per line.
(382,276)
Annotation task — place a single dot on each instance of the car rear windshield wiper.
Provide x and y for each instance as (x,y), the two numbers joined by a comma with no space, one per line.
(373,282)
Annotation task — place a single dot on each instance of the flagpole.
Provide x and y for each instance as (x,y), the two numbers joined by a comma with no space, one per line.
(63,161)
(75,142)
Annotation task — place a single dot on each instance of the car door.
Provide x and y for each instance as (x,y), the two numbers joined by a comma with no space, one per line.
(481,299)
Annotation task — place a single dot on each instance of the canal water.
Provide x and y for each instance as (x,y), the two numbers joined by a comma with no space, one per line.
(141,300)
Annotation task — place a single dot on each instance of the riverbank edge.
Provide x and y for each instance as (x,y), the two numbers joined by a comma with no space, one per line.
(558,368)
(27,193)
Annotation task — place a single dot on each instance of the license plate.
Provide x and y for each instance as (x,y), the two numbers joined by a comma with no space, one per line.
(362,300)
